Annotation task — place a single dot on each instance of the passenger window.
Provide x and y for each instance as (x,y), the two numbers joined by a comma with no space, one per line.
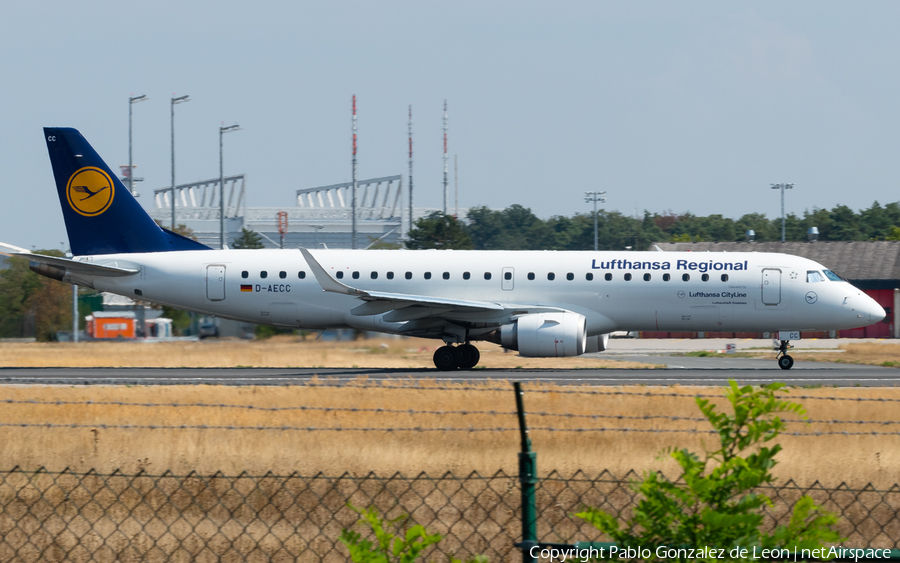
(339,275)
(667,277)
(530,275)
(374,275)
(466,275)
(427,275)
(390,275)
(646,277)
(507,276)
(813,276)
(356,275)
(487,275)
(570,276)
(589,276)
(608,277)
(686,277)
(282,275)
(408,275)
(628,277)
(446,275)
(245,274)
(264,274)
(705,277)
(724,277)
(551,276)
(301,275)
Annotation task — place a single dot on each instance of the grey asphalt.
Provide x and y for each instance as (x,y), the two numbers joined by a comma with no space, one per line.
(672,367)
(680,370)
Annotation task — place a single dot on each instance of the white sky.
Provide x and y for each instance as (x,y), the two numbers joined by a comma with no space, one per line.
(682,106)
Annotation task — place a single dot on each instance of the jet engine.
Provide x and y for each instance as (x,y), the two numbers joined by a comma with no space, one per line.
(546,335)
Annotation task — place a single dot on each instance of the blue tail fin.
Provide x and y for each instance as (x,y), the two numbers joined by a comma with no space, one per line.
(102,217)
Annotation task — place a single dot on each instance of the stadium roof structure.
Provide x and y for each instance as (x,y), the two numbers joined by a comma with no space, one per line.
(867,264)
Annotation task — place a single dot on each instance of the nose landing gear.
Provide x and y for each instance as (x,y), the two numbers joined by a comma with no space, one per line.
(784,361)
(449,358)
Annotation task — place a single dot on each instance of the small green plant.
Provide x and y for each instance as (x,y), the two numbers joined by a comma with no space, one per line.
(714,503)
(395,540)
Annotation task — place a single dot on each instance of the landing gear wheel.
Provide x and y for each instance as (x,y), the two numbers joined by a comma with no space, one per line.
(468,356)
(446,358)
(784,361)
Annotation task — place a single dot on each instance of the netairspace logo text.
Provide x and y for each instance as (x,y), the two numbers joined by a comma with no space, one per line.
(663,553)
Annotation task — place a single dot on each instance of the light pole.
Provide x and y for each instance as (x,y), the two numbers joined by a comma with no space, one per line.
(222,131)
(782,187)
(355,184)
(174,101)
(316,229)
(131,101)
(595,197)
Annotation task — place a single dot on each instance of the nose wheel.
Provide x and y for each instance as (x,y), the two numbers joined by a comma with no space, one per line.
(449,358)
(784,361)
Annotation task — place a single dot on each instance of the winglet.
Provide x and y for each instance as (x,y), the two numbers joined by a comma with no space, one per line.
(325,280)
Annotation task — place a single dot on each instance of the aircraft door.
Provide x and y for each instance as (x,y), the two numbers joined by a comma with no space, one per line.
(771,286)
(215,283)
(508,279)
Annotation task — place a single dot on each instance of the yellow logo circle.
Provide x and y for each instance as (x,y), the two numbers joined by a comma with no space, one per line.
(90,191)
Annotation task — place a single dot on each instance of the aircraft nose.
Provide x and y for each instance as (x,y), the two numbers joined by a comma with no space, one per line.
(876,312)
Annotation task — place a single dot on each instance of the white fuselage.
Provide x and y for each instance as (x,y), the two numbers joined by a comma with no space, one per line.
(762,291)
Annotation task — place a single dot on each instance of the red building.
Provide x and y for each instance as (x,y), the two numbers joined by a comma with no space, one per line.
(872,266)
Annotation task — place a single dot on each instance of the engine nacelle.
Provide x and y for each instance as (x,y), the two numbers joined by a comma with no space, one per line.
(546,335)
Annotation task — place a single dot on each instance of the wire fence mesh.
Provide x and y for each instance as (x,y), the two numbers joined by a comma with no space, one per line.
(80,517)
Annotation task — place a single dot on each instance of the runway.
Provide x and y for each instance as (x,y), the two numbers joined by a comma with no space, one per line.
(700,371)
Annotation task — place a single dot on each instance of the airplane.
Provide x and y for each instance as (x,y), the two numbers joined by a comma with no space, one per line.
(540,303)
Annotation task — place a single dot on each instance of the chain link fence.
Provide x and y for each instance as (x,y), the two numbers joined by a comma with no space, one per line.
(69,517)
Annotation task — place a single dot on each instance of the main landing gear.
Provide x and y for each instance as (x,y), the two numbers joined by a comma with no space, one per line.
(784,361)
(449,358)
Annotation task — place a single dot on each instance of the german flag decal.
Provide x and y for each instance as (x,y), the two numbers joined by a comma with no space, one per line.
(246,287)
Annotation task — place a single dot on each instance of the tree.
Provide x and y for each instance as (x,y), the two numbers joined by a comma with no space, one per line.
(439,231)
(31,304)
(485,228)
(248,239)
(714,502)
(180,229)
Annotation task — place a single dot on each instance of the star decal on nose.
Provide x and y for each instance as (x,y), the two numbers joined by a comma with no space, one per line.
(794,275)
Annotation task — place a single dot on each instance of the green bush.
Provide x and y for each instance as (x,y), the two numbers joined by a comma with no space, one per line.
(715,503)
(394,541)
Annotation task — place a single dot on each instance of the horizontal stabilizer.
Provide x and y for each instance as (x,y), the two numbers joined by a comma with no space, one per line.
(111,268)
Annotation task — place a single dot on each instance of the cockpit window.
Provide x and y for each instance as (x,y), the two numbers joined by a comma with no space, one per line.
(812,276)
(832,276)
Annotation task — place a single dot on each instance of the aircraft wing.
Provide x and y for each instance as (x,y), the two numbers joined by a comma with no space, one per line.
(109,269)
(405,307)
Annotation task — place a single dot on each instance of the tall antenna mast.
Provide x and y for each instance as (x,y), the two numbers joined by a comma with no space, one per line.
(456,186)
(445,157)
(410,171)
(355,185)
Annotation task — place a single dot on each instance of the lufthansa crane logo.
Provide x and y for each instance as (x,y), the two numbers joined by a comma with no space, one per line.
(90,191)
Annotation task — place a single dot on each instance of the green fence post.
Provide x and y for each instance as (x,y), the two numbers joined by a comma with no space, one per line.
(528,480)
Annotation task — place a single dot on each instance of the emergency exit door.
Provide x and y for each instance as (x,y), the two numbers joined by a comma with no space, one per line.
(215,283)
(771,286)
(508,281)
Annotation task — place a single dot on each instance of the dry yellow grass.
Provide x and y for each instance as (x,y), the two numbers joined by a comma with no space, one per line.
(868,353)
(283,351)
(829,459)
